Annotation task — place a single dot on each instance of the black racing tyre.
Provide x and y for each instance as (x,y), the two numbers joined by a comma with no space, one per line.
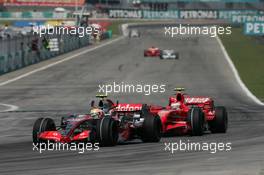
(93,136)
(145,53)
(161,55)
(151,129)
(145,109)
(41,125)
(107,131)
(63,121)
(195,117)
(220,123)
(177,56)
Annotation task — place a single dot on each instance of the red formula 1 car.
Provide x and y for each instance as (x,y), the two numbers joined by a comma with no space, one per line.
(191,115)
(152,52)
(107,124)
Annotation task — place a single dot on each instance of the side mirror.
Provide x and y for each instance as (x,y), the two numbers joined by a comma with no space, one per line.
(92,103)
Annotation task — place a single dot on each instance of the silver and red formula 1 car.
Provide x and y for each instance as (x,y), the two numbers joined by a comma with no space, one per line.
(107,124)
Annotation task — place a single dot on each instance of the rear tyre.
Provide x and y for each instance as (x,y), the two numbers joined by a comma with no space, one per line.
(107,131)
(195,118)
(177,56)
(151,129)
(145,53)
(145,109)
(161,55)
(220,123)
(41,125)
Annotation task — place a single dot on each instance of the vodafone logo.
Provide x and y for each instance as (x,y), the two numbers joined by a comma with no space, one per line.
(196,100)
(129,107)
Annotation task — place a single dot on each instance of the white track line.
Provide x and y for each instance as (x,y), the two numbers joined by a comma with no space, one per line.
(10,107)
(240,82)
(58,62)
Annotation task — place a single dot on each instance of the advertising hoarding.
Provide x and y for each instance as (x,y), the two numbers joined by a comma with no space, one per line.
(254,28)
(55,3)
(180,14)
(240,19)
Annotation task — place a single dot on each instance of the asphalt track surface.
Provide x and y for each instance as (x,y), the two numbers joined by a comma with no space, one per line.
(69,87)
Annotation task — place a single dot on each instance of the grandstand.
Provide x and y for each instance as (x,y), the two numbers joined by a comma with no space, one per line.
(198,4)
(143,4)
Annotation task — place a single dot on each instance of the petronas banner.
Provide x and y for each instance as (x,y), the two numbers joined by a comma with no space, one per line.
(172,14)
(181,14)
(254,28)
(241,19)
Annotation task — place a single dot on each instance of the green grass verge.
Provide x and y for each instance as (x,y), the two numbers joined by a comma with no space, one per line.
(247,53)
(115,27)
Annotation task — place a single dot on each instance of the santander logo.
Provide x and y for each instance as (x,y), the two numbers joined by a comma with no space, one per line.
(129,107)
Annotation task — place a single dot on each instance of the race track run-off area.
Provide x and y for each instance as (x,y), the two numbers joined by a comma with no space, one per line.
(70,85)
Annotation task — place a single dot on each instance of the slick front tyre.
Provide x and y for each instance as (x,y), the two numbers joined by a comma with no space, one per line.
(107,131)
(220,123)
(41,125)
(151,129)
(145,53)
(177,56)
(195,119)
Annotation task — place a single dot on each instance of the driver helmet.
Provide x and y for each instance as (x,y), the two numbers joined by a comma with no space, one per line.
(96,112)
(175,105)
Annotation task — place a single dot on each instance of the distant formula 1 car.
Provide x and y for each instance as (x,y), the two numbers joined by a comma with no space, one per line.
(107,124)
(134,33)
(191,115)
(169,54)
(152,52)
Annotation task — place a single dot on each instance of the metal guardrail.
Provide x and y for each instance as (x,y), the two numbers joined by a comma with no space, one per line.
(22,51)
